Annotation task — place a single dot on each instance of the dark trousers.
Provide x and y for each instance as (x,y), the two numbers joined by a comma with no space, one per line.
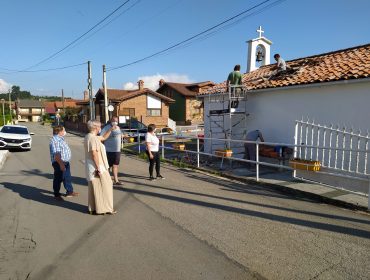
(250,153)
(155,160)
(60,176)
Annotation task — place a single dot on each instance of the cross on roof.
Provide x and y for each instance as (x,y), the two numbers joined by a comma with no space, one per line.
(260,31)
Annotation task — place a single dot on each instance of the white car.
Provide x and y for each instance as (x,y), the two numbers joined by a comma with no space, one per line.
(15,137)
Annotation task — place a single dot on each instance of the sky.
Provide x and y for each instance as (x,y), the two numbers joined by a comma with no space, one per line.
(34,30)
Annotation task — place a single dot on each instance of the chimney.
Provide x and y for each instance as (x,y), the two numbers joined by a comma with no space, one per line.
(161,82)
(86,95)
(140,84)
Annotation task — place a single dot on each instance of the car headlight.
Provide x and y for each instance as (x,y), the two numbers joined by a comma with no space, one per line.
(27,139)
(2,139)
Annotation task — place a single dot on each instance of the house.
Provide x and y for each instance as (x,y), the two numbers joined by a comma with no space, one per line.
(186,109)
(29,110)
(143,104)
(67,103)
(331,88)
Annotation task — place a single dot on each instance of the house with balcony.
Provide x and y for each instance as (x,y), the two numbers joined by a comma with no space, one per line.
(29,110)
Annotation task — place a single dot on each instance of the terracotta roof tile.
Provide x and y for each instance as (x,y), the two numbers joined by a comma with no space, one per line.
(352,63)
(186,89)
(120,94)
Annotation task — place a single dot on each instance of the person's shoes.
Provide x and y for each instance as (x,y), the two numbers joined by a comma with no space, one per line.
(151,178)
(72,194)
(112,213)
(59,198)
(118,183)
(160,177)
(92,212)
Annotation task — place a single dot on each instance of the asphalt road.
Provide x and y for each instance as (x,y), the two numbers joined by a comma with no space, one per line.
(189,226)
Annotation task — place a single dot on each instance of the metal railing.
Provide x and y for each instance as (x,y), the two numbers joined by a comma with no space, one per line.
(332,171)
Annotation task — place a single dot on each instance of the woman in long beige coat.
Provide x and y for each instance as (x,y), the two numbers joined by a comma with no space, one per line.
(100,185)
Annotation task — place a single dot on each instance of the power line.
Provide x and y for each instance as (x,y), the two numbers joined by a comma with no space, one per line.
(42,70)
(105,25)
(84,34)
(191,38)
(229,25)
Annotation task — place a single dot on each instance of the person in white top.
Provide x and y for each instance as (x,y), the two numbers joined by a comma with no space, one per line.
(152,150)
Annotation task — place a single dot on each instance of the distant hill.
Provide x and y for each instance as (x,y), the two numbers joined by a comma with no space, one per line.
(17,93)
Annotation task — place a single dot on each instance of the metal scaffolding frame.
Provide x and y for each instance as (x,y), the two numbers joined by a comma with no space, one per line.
(224,122)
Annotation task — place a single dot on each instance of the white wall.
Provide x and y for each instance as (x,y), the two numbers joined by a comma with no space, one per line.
(153,102)
(274,112)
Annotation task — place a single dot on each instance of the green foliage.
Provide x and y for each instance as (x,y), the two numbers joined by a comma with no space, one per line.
(17,93)
(143,155)
(7,119)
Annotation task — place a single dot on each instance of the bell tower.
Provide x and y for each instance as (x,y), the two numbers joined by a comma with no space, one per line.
(258,51)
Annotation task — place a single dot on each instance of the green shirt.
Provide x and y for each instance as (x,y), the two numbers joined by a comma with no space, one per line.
(235,78)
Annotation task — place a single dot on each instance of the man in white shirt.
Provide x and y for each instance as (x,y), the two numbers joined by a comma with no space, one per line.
(280,63)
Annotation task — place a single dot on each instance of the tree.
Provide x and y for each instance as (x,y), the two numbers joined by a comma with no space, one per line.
(17,93)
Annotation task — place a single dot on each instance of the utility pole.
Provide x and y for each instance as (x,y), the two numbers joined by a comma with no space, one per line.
(10,107)
(106,117)
(63,102)
(3,101)
(89,86)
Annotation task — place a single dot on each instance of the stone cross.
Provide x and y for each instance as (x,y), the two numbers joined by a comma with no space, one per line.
(260,31)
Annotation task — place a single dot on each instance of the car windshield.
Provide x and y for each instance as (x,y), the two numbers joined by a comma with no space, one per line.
(15,130)
(132,125)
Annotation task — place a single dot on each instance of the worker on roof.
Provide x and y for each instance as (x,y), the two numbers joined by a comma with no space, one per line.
(280,63)
(234,78)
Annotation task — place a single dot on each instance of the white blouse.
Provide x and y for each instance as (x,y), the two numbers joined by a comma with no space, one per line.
(153,142)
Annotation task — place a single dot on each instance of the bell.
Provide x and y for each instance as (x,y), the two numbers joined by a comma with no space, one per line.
(259,56)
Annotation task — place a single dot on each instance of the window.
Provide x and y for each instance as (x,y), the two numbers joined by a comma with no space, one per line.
(154,112)
(127,112)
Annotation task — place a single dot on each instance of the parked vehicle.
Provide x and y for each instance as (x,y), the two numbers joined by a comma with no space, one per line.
(134,128)
(15,137)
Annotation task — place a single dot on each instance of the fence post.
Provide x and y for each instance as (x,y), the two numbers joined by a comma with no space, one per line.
(295,146)
(138,140)
(368,197)
(162,146)
(198,151)
(257,162)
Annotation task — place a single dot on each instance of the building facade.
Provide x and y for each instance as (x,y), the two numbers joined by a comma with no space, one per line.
(186,109)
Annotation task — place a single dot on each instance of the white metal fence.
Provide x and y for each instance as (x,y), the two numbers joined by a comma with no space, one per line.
(337,148)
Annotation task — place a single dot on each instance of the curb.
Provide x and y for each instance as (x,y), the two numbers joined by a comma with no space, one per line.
(3,156)
(274,187)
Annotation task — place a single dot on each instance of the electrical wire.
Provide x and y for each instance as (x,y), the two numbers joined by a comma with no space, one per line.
(96,31)
(42,70)
(191,38)
(77,39)
(222,28)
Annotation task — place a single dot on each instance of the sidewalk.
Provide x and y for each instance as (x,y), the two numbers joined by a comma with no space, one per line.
(285,182)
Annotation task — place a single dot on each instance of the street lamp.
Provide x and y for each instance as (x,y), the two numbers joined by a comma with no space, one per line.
(3,101)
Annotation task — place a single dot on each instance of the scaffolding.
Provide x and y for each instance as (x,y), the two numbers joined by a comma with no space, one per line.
(226,118)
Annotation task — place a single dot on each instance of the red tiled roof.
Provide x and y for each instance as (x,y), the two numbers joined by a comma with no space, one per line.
(50,110)
(67,103)
(121,94)
(347,64)
(185,89)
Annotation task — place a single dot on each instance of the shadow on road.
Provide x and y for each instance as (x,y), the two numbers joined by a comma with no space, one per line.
(305,212)
(268,216)
(42,196)
(38,172)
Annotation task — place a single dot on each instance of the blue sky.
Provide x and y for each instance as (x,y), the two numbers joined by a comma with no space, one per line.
(33,30)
